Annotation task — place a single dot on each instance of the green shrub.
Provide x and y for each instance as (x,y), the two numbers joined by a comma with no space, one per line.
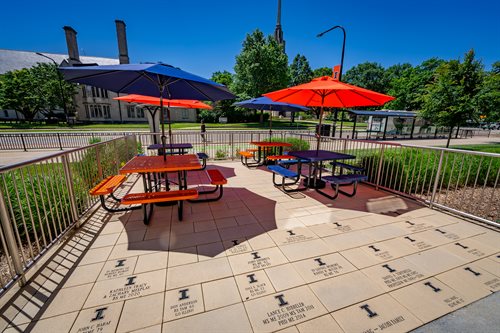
(297,144)
(94,140)
(220,154)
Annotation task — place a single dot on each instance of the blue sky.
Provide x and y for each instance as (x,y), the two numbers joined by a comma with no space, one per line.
(205,36)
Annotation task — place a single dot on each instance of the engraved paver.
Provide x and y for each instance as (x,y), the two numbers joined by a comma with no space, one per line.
(382,313)
(284,309)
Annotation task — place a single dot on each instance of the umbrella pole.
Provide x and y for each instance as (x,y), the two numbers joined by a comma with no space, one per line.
(270,124)
(169,124)
(163,137)
(319,125)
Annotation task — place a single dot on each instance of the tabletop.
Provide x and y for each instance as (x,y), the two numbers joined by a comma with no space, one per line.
(270,144)
(144,164)
(171,146)
(320,155)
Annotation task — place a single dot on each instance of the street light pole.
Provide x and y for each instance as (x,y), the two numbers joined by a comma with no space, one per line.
(341,70)
(61,90)
(343,47)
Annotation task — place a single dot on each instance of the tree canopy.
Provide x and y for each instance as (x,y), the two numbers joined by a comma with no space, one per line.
(451,99)
(261,66)
(35,90)
(300,71)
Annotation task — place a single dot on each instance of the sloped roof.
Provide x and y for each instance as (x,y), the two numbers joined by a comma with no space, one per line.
(13,60)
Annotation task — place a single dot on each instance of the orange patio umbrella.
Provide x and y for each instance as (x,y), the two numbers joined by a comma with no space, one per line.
(174,103)
(327,92)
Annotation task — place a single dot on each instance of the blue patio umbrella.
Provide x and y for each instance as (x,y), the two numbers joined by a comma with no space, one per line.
(265,103)
(158,80)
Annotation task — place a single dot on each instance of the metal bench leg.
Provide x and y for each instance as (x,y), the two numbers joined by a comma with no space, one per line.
(147,215)
(354,185)
(335,187)
(217,187)
(180,205)
(115,210)
(283,184)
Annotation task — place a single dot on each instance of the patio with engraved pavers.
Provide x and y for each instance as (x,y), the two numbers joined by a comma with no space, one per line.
(263,261)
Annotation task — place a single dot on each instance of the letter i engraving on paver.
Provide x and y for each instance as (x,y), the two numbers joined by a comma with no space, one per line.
(291,232)
(462,246)
(130,280)
(255,255)
(235,242)
(251,277)
(373,248)
(366,307)
(120,263)
(320,262)
(281,299)
(441,231)
(99,314)
(184,294)
(435,289)
(391,270)
(473,272)
(410,239)
(410,223)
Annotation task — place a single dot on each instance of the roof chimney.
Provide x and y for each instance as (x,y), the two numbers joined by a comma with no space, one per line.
(73,53)
(122,42)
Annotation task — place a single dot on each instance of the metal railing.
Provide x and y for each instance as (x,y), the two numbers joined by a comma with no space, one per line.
(461,181)
(42,199)
(219,145)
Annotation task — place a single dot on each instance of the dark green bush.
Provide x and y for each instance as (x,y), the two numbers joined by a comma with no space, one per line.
(297,144)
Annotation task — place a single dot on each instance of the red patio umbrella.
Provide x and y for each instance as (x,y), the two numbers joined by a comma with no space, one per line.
(179,103)
(326,92)
(174,103)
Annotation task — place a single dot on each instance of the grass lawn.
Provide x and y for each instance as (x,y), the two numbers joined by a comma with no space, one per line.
(488,148)
(277,124)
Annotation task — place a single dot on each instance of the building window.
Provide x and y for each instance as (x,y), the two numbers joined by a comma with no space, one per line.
(140,112)
(130,111)
(95,92)
(6,113)
(97,111)
(84,91)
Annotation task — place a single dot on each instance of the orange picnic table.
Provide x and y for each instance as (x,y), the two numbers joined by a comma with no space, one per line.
(147,165)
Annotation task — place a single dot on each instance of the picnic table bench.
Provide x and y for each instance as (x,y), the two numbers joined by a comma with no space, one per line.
(150,198)
(107,187)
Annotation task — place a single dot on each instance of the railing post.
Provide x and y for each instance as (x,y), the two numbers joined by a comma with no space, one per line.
(59,139)
(24,143)
(10,239)
(98,161)
(231,145)
(379,168)
(69,184)
(436,180)
(117,160)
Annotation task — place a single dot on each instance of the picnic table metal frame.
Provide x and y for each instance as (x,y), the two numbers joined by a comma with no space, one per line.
(180,147)
(315,160)
(261,156)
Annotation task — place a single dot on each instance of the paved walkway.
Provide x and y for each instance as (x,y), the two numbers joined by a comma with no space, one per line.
(261,261)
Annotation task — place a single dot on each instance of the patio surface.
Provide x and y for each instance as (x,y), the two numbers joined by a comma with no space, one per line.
(259,260)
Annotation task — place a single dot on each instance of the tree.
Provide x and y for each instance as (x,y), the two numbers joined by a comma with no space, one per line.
(261,67)
(300,71)
(369,75)
(410,85)
(35,90)
(221,108)
(322,71)
(488,98)
(451,99)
